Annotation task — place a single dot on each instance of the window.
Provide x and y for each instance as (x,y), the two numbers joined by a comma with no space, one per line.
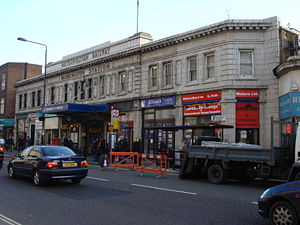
(246,63)
(65,92)
(2,104)
(3,81)
(39,98)
(123,81)
(153,76)
(82,90)
(20,101)
(76,90)
(90,88)
(33,99)
(167,74)
(210,65)
(101,86)
(52,95)
(192,69)
(25,101)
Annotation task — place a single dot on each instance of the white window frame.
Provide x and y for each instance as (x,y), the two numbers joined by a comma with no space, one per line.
(153,77)
(246,64)
(192,77)
(167,73)
(2,105)
(101,85)
(123,77)
(3,81)
(210,67)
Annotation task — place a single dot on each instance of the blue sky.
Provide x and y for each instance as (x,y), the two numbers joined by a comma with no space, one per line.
(68,26)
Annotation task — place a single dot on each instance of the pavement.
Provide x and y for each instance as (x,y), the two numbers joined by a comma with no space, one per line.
(90,158)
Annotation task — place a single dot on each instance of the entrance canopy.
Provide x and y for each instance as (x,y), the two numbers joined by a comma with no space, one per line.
(73,107)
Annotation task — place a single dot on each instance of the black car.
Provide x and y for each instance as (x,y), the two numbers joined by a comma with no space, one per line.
(281,204)
(1,156)
(42,163)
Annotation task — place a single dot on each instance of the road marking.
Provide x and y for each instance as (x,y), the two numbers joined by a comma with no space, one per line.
(8,220)
(96,178)
(164,189)
(255,203)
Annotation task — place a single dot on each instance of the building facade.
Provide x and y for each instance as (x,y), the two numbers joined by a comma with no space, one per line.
(10,73)
(221,73)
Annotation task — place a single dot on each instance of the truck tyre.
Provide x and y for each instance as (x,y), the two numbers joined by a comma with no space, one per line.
(216,174)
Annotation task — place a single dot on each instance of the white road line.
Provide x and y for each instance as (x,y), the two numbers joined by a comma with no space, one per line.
(96,178)
(255,203)
(164,189)
(8,220)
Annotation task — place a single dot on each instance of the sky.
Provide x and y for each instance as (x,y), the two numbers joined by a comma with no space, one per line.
(69,26)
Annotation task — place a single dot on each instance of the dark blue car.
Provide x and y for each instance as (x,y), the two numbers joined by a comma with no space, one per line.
(281,204)
(43,163)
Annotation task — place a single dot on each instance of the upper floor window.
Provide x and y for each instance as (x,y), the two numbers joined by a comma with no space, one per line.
(90,82)
(20,101)
(122,81)
(101,85)
(52,95)
(167,73)
(65,92)
(39,97)
(3,81)
(192,69)
(153,70)
(25,101)
(246,63)
(76,91)
(210,65)
(82,90)
(33,99)
(2,104)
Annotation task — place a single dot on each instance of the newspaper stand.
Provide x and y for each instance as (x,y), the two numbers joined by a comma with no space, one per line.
(153,163)
(124,159)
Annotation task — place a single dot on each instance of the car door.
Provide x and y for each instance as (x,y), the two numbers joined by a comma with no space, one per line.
(18,163)
(30,161)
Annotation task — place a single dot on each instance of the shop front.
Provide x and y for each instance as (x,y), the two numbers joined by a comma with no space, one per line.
(158,112)
(247,116)
(198,109)
(7,128)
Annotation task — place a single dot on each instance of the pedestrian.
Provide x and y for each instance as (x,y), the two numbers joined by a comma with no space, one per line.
(10,143)
(22,142)
(122,144)
(68,142)
(95,148)
(28,142)
(102,153)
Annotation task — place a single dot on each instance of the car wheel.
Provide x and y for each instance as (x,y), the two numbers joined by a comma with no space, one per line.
(76,180)
(37,179)
(11,172)
(283,213)
(216,174)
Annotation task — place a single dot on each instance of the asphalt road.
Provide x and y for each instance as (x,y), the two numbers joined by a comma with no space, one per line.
(124,197)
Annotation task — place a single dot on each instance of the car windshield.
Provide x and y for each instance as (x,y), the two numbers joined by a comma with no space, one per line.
(57,151)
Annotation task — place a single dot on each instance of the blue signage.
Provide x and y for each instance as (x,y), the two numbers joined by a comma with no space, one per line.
(289,105)
(7,122)
(158,102)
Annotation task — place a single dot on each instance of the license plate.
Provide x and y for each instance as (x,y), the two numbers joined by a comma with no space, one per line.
(69,164)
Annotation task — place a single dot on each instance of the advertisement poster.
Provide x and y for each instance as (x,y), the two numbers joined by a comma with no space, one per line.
(201,97)
(247,115)
(204,109)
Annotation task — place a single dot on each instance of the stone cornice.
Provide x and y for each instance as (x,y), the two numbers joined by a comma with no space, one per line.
(284,68)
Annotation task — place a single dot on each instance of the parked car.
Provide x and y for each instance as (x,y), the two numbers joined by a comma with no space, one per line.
(43,163)
(1,156)
(281,204)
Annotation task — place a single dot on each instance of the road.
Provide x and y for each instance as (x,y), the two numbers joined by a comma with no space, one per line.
(124,197)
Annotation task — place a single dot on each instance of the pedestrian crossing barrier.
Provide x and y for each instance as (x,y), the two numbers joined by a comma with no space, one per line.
(124,159)
(153,163)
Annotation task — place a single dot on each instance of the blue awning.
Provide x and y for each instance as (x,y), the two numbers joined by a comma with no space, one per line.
(73,107)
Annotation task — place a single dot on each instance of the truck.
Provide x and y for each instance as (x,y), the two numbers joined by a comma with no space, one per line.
(219,161)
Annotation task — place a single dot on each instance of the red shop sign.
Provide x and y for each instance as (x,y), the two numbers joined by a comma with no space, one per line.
(199,97)
(247,115)
(247,93)
(204,109)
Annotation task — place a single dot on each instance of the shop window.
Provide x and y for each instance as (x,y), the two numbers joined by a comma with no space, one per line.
(165,117)
(33,99)
(210,66)
(192,69)
(246,63)
(153,76)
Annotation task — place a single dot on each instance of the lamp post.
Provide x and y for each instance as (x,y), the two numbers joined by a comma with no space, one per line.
(45,73)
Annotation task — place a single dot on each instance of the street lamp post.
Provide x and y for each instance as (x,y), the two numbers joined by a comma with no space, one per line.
(45,73)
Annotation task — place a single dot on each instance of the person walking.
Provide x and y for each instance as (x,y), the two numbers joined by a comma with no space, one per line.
(68,142)
(102,152)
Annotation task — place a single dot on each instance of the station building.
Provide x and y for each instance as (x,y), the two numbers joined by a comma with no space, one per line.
(218,74)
